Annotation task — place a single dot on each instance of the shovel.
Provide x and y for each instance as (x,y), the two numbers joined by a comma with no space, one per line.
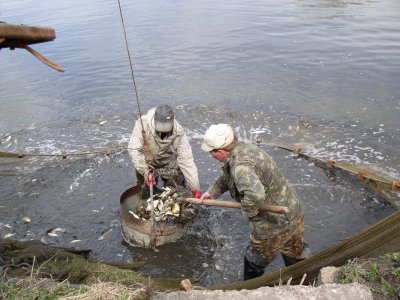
(264,207)
(153,236)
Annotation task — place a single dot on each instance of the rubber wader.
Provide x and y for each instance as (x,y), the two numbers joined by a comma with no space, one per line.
(251,270)
(306,253)
(290,260)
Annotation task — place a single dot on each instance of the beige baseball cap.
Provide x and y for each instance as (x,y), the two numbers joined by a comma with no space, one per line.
(217,137)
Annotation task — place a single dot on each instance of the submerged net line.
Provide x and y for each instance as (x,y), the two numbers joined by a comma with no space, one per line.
(371,179)
(64,154)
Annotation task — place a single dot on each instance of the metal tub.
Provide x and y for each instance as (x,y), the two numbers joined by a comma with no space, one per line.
(138,232)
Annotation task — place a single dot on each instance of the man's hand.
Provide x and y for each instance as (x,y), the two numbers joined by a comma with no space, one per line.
(196,194)
(150,174)
(206,195)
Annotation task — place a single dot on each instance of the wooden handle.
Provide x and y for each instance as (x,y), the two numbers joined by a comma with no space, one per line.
(264,207)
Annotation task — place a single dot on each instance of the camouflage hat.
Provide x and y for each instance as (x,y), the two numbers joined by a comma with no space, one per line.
(164,118)
(217,137)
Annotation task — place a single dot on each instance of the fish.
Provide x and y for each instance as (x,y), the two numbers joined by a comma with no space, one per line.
(44,241)
(175,208)
(257,131)
(105,233)
(133,214)
(155,204)
(8,235)
(103,122)
(26,219)
(165,208)
(74,241)
(53,231)
(8,137)
(164,205)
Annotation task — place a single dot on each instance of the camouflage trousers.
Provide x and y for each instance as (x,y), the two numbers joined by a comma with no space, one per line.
(289,242)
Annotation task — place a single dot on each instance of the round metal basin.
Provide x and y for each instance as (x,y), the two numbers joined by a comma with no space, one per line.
(138,232)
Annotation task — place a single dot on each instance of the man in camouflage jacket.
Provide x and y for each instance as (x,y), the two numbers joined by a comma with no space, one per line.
(252,178)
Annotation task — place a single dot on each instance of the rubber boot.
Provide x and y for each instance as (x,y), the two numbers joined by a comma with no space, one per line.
(290,260)
(251,270)
(306,253)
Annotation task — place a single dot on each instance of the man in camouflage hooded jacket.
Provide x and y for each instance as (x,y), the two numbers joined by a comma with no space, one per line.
(252,178)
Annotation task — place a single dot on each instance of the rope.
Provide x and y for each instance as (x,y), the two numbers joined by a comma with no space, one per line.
(130,62)
(146,146)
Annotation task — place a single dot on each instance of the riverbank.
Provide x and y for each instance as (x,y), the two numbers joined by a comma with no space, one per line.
(373,278)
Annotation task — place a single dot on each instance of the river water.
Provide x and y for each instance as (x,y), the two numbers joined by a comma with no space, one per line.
(320,73)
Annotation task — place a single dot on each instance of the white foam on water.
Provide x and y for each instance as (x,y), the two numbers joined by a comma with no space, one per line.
(75,184)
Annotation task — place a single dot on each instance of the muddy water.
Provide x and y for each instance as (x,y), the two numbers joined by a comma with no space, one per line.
(320,73)
(81,196)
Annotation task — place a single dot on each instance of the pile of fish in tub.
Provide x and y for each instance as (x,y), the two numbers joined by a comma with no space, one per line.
(165,207)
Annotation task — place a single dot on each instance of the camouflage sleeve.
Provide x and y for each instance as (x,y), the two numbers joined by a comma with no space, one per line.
(250,186)
(218,187)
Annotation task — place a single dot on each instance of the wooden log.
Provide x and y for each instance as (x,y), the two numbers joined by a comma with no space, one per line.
(26,34)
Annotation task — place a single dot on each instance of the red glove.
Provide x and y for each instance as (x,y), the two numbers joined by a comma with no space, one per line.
(147,176)
(196,194)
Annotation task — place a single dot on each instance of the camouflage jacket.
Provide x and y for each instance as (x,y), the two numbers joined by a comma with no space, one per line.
(171,153)
(252,178)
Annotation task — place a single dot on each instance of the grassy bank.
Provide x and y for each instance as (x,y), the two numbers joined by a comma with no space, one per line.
(32,288)
(381,275)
